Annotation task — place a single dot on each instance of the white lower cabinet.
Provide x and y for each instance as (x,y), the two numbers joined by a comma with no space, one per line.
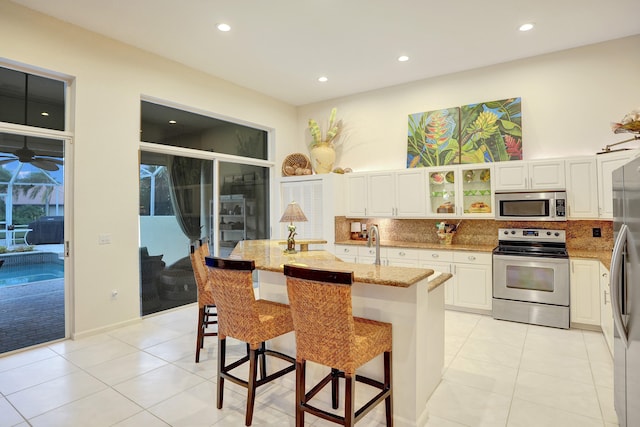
(606,315)
(584,276)
(367,255)
(346,253)
(470,288)
(401,257)
(472,280)
(440,261)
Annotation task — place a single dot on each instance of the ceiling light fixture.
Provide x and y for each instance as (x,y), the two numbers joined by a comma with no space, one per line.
(403,58)
(323,79)
(172,122)
(224,27)
(44,113)
(525,27)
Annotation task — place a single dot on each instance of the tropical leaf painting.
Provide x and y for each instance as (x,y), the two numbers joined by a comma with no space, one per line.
(475,133)
(433,138)
(491,131)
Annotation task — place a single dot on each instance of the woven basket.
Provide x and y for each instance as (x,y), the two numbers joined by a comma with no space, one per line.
(296,164)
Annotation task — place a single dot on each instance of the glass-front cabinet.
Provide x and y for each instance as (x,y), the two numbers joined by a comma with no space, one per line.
(460,190)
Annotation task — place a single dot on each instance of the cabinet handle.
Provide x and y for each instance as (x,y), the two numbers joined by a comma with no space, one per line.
(435,256)
(471,258)
(401,253)
(604,274)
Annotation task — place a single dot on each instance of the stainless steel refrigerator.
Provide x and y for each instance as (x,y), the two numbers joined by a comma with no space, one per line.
(625,292)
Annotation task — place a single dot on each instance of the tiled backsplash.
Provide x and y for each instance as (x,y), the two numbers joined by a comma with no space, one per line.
(479,231)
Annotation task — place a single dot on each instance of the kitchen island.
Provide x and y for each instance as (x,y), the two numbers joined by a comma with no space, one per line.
(404,297)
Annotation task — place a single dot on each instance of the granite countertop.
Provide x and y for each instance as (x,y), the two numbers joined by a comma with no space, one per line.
(422,245)
(603,256)
(268,255)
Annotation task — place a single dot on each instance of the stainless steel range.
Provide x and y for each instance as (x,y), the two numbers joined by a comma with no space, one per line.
(531,277)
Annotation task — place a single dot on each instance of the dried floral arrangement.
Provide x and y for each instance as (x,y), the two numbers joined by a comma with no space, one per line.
(330,138)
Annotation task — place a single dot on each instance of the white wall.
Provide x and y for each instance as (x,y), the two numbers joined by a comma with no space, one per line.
(569,99)
(110,78)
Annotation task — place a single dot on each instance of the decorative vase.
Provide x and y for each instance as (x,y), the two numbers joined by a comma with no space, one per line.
(322,158)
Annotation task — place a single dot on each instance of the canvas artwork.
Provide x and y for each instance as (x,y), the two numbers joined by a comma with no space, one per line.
(433,138)
(475,133)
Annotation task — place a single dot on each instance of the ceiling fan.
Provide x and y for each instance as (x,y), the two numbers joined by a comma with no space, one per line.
(26,155)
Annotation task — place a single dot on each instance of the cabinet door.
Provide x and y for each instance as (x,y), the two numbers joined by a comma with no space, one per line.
(472,286)
(475,191)
(356,195)
(513,175)
(441,191)
(606,315)
(585,292)
(309,196)
(547,175)
(410,189)
(444,267)
(606,164)
(582,185)
(381,194)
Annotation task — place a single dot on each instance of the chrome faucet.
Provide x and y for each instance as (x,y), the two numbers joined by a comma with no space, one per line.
(374,230)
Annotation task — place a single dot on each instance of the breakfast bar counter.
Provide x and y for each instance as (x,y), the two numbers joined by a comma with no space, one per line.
(404,297)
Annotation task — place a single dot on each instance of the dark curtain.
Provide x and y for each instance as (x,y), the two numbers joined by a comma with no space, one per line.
(187,176)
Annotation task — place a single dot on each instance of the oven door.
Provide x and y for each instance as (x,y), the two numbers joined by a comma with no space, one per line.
(531,279)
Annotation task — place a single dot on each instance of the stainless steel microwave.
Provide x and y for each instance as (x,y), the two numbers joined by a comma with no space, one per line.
(532,206)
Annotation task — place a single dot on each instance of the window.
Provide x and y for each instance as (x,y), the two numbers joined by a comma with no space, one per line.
(31,100)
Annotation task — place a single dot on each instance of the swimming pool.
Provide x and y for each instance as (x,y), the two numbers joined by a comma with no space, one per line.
(11,275)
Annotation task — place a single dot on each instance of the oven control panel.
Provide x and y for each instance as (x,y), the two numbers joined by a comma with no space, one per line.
(532,234)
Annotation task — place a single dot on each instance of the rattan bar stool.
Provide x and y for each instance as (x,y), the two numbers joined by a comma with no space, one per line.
(207,315)
(244,318)
(327,333)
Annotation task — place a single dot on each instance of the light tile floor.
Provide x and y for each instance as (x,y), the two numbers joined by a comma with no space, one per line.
(496,374)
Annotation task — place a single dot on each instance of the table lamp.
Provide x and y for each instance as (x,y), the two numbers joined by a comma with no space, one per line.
(356,229)
(292,214)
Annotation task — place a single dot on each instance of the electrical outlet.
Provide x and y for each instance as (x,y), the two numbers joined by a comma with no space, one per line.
(114,293)
(104,239)
(597,232)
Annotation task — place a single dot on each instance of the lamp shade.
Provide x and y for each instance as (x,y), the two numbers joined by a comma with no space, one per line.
(355,227)
(293,213)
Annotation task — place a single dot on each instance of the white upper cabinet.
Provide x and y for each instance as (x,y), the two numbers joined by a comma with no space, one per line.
(520,175)
(355,194)
(582,187)
(460,191)
(397,194)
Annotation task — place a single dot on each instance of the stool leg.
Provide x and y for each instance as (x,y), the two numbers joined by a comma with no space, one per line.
(263,361)
(349,392)
(388,402)
(335,388)
(251,386)
(300,391)
(222,344)
(200,339)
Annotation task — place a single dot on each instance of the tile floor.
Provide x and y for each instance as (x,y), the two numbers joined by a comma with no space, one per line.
(496,374)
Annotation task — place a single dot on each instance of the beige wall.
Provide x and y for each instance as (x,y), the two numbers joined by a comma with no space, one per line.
(110,78)
(568,100)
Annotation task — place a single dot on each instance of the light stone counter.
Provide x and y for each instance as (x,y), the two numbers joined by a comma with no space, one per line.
(401,296)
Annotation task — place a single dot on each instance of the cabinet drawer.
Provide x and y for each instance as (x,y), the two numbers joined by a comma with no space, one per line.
(402,253)
(429,255)
(346,250)
(472,257)
(365,251)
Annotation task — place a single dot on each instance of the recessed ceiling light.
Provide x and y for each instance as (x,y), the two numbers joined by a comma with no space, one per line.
(323,79)
(44,113)
(403,58)
(224,27)
(172,122)
(526,27)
